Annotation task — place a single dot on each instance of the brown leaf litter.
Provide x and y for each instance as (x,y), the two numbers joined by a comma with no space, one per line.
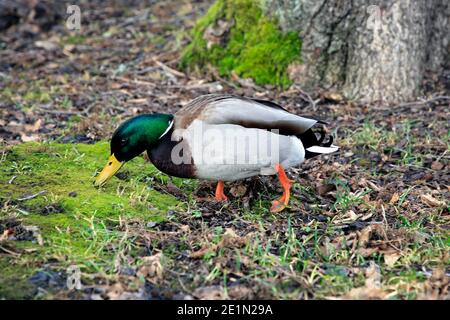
(229,240)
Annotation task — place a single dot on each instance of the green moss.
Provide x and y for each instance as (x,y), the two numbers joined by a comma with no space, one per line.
(37,96)
(253,48)
(13,280)
(86,232)
(74,39)
(59,169)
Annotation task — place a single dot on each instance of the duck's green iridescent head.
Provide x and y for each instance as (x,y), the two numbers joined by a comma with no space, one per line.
(133,137)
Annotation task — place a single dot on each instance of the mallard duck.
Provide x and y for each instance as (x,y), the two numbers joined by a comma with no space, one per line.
(220,137)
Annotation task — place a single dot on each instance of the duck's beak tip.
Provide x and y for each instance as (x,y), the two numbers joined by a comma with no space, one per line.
(112,166)
(98,183)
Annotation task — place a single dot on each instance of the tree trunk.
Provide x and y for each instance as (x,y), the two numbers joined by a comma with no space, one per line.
(369,52)
(376,52)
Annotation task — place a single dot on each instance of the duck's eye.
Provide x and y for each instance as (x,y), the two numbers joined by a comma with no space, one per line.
(123,141)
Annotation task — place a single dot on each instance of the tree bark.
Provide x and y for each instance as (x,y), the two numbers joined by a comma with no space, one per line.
(377,52)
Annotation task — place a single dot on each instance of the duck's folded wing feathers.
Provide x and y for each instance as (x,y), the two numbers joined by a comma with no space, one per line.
(228,109)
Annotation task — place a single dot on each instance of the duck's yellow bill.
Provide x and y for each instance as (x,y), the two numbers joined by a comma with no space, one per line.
(112,166)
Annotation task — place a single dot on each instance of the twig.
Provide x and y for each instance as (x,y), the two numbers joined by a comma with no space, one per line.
(70,113)
(32,196)
(9,251)
(441,156)
(305,96)
(194,86)
(246,83)
(138,82)
(383,212)
(423,102)
(59,112)
(145,70)
(169,69)
(132,20)
(216,74)
(88,109)
(373,185)
(309,99)
(25,213)
(12,179)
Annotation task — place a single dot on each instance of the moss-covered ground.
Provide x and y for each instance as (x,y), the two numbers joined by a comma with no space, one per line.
(49,186)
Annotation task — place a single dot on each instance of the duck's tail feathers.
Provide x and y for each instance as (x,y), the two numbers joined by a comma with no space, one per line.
(315,146)
(322,150)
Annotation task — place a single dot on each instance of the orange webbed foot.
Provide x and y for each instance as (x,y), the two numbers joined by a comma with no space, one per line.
(220,196)
(281,203)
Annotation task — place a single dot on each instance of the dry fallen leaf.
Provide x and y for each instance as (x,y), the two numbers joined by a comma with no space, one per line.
(33,127)
(349,217)
(366,198)
(238,190)
(436,165)
(151,268)
(202,251)
(229,240)
(436,286)
(239,292)
(367,252)
(394,198)
(363,293)
(372,287)
(429,200)
(209,293)
(373,276)
(115,291)
(333,96)
(364,236)
(185,228)
(352,215)
(29,138)
(325,188)
(391,257)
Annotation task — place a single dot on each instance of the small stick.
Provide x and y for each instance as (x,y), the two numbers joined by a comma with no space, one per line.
(59,112)
(137,82)
(9,251)
(169,69)
(423,102)
(25,213)
(309,99)
(32,196)
(12,179)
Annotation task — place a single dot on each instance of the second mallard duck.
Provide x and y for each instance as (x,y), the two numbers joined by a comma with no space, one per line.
(222,138)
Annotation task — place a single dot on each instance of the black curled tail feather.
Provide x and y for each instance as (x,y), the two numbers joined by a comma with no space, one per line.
(310,139)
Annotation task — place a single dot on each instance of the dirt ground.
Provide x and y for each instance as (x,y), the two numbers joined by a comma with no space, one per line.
(369,222)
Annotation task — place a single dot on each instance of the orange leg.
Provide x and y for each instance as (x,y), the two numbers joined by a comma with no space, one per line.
(220,196)
(281,203)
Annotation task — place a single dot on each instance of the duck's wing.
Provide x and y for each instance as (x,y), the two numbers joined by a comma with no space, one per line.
(250,113)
